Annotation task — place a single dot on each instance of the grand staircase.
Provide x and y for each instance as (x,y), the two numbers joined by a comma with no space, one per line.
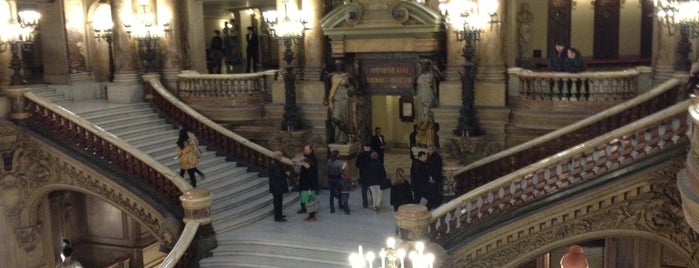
(240,197)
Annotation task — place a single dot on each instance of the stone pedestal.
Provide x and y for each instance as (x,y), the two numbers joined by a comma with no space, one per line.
(468,149)
(348,154)
(126,88)
(197,206)
(412,220)
(15,96)
(449,169)
(147,88)
(170,78)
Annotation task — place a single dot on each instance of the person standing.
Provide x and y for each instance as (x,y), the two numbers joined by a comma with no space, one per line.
(362,159)
(420,176)
(335,168)
(376,173)
(413,141)
(558,57)
(253,49)
(400,190)
(216,51)
(188,153)
(435,164)
(278,185)
(378,143)
(308,180)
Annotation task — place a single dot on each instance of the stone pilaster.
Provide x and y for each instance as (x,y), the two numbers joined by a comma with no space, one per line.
(313,41)
(665,46)
(490,51)
(126,87)
(170,48)
(55,56)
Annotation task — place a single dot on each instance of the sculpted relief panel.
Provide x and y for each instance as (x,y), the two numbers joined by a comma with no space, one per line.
(650,208)
(32,169)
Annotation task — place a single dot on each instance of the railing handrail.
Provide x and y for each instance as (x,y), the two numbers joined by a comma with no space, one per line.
(191,75)
(668,85)
(176,180)
(524,73)
(183,243)
(157,86)
(566,154)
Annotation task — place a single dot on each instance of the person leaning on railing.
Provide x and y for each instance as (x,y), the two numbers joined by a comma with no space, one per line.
(574,63)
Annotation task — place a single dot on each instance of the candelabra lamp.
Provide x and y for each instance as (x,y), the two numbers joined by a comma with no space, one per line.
(19,35)
(469,19)
(103,25)
(394,257)
(683,17)
(147,34)
(288,28)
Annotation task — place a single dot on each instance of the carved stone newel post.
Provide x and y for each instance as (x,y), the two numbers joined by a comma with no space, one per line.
(17,102)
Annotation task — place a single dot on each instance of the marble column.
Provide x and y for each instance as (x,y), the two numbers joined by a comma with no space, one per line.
(126,87)
(54,39)
(664,47)
(170,49)
(314,51)
(491,64)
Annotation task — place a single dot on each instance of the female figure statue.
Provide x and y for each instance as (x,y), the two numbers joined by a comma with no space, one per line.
(340,92)
(426,98)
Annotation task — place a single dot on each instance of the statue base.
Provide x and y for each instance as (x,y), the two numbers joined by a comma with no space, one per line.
(468,149)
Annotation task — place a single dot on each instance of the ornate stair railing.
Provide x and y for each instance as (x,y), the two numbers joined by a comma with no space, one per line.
(251,154)
(601,155)
(112,150)
(498,165)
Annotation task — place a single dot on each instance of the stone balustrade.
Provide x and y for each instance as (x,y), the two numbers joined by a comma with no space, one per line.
(226,97)
(605,154)
(587,86)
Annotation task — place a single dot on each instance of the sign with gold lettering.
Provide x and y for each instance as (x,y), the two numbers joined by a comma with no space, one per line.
(389,76)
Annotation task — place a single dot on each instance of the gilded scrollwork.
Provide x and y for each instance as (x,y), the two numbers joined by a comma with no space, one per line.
(655,210)
(36,167)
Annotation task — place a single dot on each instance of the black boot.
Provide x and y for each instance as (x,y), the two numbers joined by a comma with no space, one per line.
(303,209)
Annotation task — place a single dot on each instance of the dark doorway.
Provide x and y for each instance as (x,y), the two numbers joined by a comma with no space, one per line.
(606,34)
(559,23)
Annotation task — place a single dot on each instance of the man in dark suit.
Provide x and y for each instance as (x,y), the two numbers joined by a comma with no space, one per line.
(420,176)
(252,49)
(362,159)
(434,163)
(278,185)
(378,143)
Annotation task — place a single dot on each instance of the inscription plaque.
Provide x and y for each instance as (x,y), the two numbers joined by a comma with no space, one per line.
(389,76)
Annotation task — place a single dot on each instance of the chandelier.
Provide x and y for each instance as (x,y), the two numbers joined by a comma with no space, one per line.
(291,24)
(393,257)
(674,13)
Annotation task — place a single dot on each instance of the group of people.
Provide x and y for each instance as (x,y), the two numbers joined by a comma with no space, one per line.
(566,59)
(222,47)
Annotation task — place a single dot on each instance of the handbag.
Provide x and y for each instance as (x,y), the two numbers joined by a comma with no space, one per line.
(313,205)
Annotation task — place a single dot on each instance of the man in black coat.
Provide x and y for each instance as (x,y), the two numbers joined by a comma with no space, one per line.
(376,174)
(413,141)
(558,57)
(362,159)
(278,185)
(435,164)
(253,49)
(420,176)
(378,143)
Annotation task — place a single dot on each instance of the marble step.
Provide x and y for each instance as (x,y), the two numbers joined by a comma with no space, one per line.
(117,111)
